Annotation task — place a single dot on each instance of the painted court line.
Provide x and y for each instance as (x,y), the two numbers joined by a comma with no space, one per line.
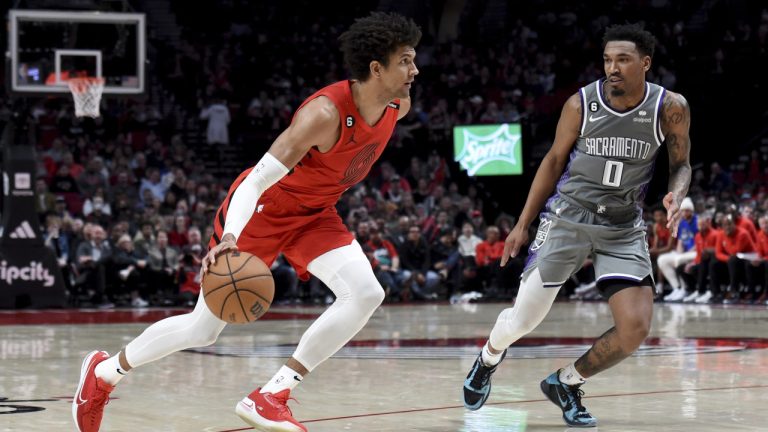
(515,402)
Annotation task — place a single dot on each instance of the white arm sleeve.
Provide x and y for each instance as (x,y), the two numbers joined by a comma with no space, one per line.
(267,172)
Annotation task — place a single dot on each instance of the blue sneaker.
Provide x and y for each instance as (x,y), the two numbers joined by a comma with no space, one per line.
(568,398)
(477,386)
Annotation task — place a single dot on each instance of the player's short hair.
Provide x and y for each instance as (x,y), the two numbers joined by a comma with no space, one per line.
(643,39)
(376,37)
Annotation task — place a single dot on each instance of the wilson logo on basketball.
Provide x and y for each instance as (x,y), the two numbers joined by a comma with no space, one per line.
(360,165)
(257,309)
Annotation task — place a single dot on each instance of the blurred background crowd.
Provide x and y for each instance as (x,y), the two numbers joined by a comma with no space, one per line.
(126,200)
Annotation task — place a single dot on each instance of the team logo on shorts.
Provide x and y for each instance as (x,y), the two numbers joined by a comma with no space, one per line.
(541,234)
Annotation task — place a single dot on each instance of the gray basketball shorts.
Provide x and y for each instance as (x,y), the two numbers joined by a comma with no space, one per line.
(569,234)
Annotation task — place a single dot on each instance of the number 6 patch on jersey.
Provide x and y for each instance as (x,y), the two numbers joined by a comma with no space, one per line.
(541,234)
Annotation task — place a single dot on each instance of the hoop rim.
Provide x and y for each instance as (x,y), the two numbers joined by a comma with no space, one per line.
(84,84)
(86,79)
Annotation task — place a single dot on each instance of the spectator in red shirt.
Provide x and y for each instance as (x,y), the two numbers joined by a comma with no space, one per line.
(744,220)
(759,266)
(660,243)
(762,238)
(695,273)
(661,234)
(727,265)
(488,256)
(178,236)
(490,249)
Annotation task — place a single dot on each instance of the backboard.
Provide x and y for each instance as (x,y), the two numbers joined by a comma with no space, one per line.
(47,47)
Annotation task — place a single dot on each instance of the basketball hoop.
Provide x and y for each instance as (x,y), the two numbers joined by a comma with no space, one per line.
(87,95)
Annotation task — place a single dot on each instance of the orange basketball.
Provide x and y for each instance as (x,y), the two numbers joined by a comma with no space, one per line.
(238,288)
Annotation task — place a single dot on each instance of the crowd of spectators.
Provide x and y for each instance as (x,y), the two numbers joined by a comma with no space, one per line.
(125,206)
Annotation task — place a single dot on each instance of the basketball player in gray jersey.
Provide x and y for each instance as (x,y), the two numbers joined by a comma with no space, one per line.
(609,135)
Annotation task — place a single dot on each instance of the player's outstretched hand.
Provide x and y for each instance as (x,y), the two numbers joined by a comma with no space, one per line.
(228,243)
(516,239)
(673,212)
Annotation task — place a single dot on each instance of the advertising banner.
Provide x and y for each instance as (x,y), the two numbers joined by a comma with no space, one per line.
(29,273)
(485,150)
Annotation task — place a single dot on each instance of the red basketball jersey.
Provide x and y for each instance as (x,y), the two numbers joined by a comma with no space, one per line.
(319,179)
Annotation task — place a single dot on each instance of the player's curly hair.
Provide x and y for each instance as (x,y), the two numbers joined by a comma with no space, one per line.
(643,39)
(376,37)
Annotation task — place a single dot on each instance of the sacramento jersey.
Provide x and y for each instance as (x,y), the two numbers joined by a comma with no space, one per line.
(612,161)
(595,211)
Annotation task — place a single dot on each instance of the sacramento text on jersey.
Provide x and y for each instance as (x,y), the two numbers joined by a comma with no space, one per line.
(618,147)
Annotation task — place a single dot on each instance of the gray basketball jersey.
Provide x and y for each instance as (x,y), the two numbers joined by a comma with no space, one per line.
(612,162)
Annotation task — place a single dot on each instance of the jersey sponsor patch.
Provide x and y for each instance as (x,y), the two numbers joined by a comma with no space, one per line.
(541,234)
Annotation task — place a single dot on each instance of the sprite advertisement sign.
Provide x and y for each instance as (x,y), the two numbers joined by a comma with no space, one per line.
(489,149)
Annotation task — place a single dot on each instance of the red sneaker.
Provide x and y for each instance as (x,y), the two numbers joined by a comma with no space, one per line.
(269,412)
(92,394)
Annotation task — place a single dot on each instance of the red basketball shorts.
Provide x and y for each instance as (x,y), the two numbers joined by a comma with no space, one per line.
(281,224)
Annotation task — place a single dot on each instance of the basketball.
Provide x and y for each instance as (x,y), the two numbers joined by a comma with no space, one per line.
(238,287)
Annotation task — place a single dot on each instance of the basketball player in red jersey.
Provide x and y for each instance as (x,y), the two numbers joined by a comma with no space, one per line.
(286,204)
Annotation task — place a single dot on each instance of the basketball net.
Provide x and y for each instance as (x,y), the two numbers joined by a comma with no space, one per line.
(87,95)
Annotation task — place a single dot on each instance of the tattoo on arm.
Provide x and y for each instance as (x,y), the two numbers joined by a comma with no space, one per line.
(679,179)
(675,122)
(674,110)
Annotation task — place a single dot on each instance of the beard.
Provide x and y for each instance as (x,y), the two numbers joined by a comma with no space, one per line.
(618,92)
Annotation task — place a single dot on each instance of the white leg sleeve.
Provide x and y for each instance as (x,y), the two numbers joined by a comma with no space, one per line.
(531,306)
(347,272)
(666,263)
(195,329)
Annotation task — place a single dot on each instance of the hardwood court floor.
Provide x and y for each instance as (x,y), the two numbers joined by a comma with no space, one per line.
(705,368)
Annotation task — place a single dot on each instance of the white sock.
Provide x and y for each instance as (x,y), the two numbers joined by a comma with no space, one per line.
(570,376)
(110,371)
(285,378)
(489,358)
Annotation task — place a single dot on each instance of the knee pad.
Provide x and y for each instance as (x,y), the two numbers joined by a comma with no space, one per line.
(519,323)
(348,273)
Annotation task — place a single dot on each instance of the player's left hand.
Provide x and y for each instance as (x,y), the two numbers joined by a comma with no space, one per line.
(673,212)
